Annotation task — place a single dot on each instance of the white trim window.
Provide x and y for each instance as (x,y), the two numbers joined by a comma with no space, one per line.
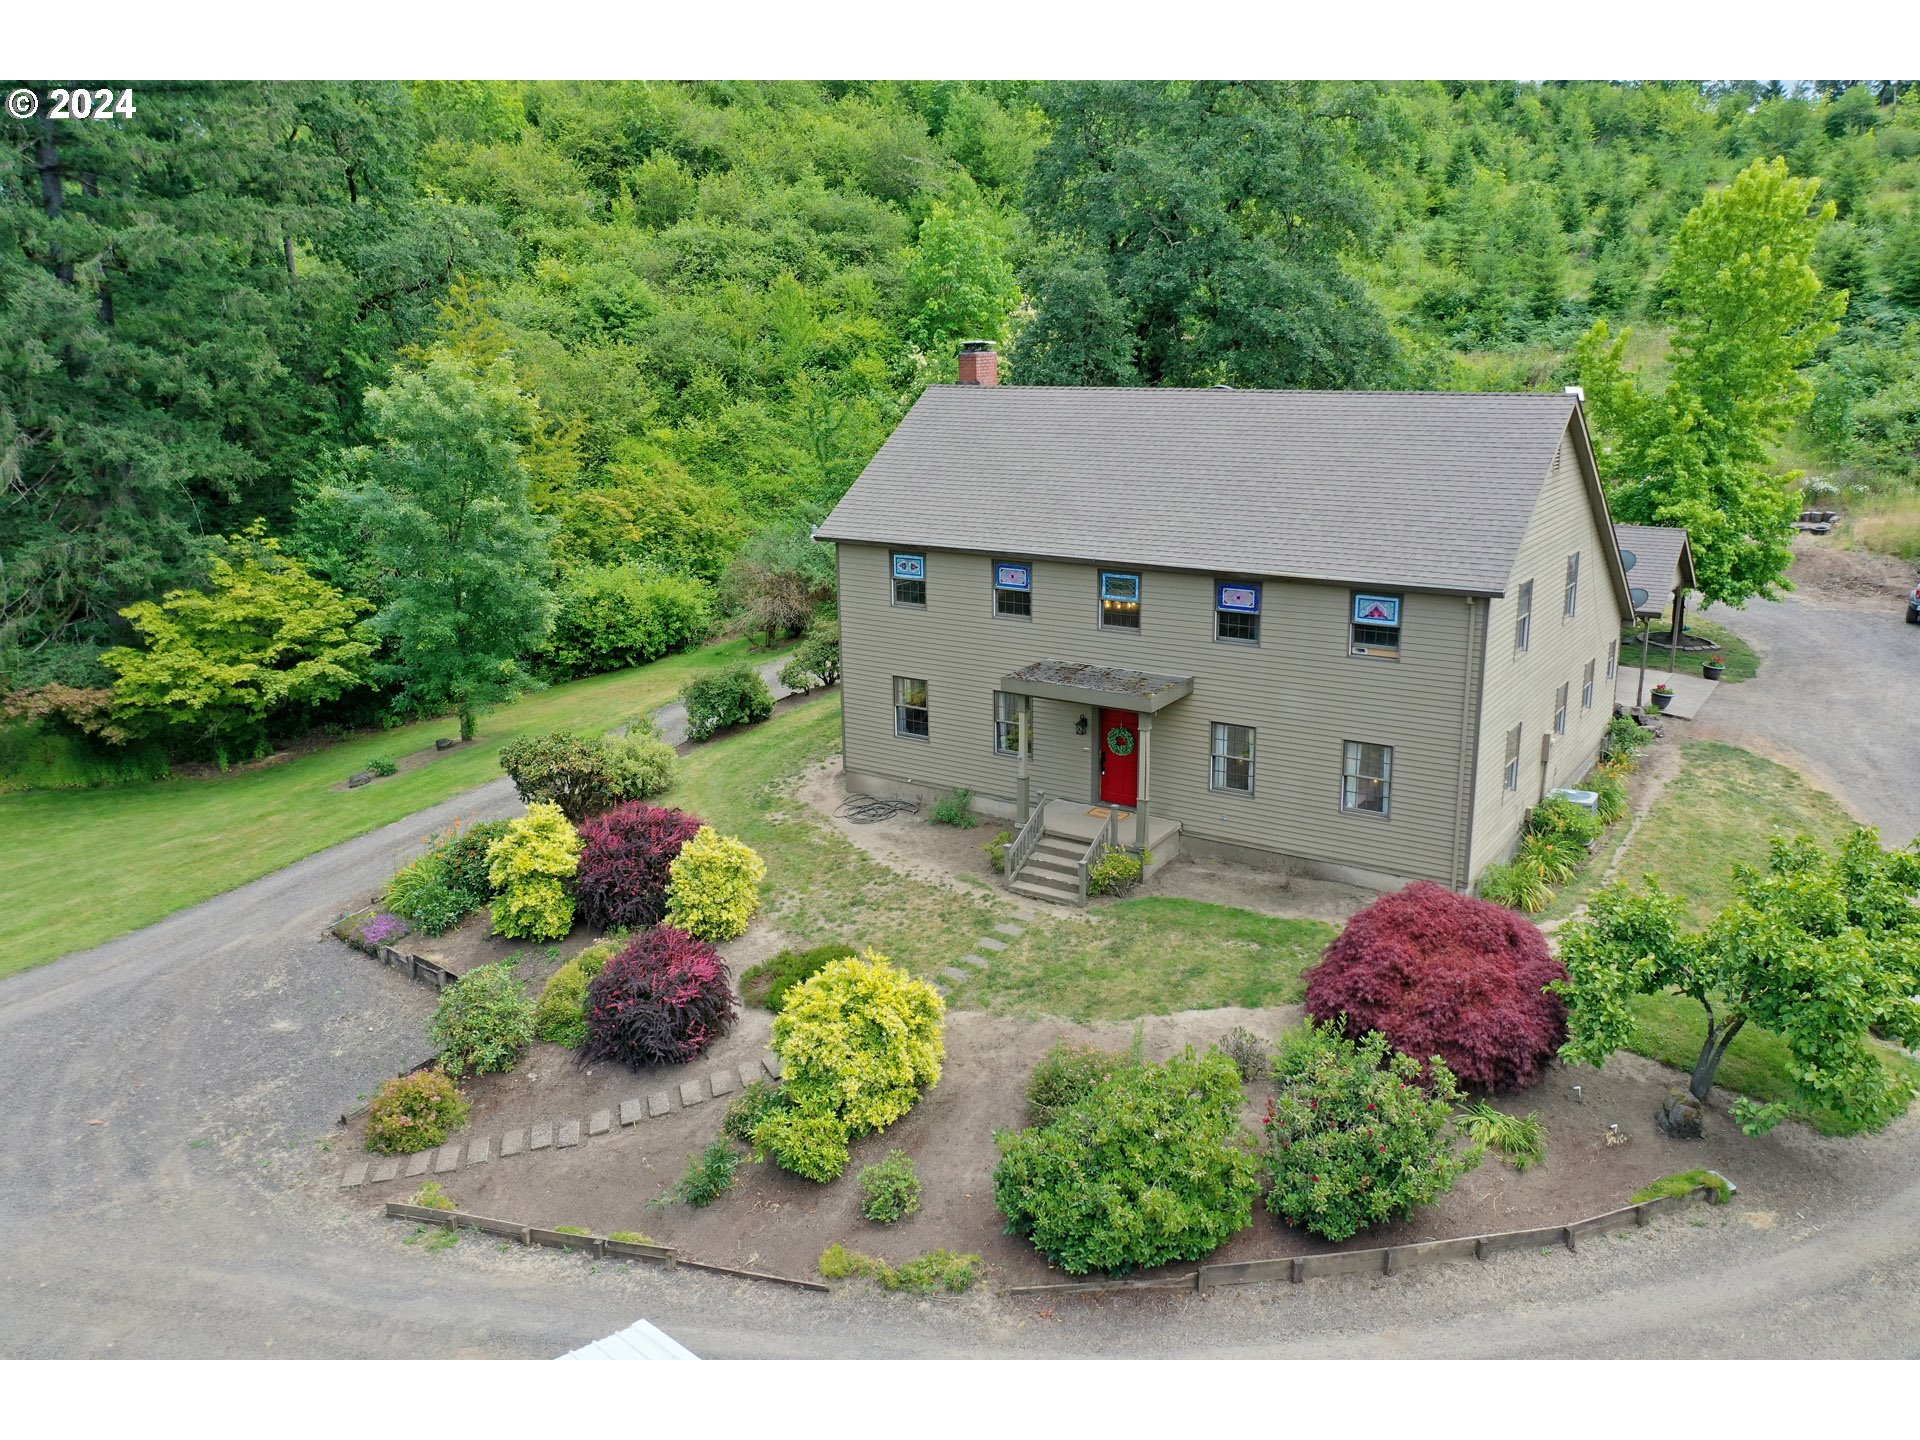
(1232,767)
(1572,602)
(1511,776)
(1560,708)
(909,578)
(1236,611)
(1523,622)
(1586,689)
(1366,781)
(910,719)
(1013,589)
(1006,723)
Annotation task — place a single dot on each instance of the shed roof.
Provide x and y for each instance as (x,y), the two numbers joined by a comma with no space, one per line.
(1661,562)
(1422,490)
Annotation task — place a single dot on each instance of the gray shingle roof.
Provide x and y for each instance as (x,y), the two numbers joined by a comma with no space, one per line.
(1662,559)
(1415,489)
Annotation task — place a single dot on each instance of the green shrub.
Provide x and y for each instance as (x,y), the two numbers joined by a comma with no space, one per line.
(483,1022)
(424,896)
(715,886)
(560,1017)
(611,617)
(639,766)
(1249,1053)
(464,853)
(839,1263)
(633,1237)
(529,867)
(1065,1076)
(1353,1140)
(819,654)
(749,1108)
(1624,737)
(431,1197)
(809,1143)
(570,1230)
(1521,1138)
(767,983)
(709,1176)
(382,765)
(1610,795)
(997,848)
(1718,1191)
(890,1189)
(415,1112)
(1556,859)
(955,808)
(1151,1166)
(922,1275)
(1517,887)
(1117,871)
(733,696)
(1560,818)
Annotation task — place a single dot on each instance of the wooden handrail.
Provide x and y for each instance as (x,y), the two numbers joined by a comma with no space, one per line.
(1024,842)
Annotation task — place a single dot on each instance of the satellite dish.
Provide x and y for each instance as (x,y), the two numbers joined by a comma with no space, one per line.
(1638,596)
(1627,558)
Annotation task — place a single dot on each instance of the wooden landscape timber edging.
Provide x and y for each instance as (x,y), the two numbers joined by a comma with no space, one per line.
(598,1246)
(417,966)
(1387,1260)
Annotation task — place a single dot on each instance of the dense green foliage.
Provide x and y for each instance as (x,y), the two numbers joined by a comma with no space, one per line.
(1150,1166)
(734,696)
(922,1275)
(767,983)
(483,1021)
(709,1175)
(890,1189)
(586,775)
(414,1112)
(560,1015)
(714,888)
(530,868)
(1820,949)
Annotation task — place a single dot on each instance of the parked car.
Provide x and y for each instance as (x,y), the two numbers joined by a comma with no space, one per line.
(1913,606)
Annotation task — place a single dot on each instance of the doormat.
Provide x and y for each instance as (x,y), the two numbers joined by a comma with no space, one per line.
(1099,814)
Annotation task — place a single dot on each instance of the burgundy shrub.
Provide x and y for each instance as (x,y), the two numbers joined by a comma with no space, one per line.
(660,1001)
(1448,975)
(622,880)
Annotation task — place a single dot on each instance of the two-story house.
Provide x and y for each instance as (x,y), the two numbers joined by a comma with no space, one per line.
(1357,633)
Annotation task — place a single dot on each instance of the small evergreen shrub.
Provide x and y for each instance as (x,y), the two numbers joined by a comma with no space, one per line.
(733,696)
(1248,1052)
(955,808)
(415,1112)
(1353,1139)
(557,768)
(714,886)
(709,1175)
(890,1189)
(661,1001)
(1560,818)
(1447,975)
(560,1017)
(382,765)
(464,852)
(1151,1166)
(1516,887)
(483,1022)
(1117,871)
(809,1143)
(749,1108)
(1065,1076)
(625,864)
(766,984)
(639,766)
(997,848)
(797,676)
(530,867)
(424,896)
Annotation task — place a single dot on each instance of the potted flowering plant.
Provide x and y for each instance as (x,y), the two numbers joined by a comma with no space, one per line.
(1714,668)
(1662,695)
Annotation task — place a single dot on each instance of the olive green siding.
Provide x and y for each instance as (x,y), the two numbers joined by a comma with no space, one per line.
(1298,687)
(1520,686)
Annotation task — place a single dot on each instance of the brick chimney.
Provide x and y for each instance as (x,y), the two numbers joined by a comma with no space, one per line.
(979,363)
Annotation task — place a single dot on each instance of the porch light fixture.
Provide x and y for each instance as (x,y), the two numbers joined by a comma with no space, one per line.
(1080,726)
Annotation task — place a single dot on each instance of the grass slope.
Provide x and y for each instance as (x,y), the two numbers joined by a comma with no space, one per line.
(83,866)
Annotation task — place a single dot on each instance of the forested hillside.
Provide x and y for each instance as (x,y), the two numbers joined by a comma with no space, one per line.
(659,328)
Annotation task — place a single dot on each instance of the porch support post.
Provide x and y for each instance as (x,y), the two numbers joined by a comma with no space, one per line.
(1673,642)
(1026,749)
(1140,807)
(1646,635)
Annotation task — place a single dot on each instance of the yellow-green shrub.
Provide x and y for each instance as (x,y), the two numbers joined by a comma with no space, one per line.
(561,1016)
(414,1112)
(529,868)
(714,888)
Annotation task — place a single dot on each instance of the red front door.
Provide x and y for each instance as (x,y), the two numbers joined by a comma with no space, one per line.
(1119,757)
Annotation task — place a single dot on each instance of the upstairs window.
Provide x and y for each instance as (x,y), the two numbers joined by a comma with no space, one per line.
(1572,604)
(1523,625)
(1366,784)
(1232,759)
(1586,688)
(1512,776)
(1375,628)
(1236,610)
(1120,599)
(910,708)
(1560,708)
(1006,723)
(909,579)
(1013,589)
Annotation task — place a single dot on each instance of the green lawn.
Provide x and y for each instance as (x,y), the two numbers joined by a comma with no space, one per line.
(1151,957)
(1743,661)
(83,866)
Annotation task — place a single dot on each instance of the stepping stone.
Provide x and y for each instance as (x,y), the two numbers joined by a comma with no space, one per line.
(749,1074)
(512,1143)
(632,1112)
(479,1152)
(385,1171)
(356,1175)
(600,1123)
(722,1083)
(954,972)
(979,960)
(569,1135)
(417,1164)
(659,1103)
(542,1137)
(1008,928)
(772,1062)
(987,942)
(449,1159)
(690,1092)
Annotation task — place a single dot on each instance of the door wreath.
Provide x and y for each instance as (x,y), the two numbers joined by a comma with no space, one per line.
(1120,740)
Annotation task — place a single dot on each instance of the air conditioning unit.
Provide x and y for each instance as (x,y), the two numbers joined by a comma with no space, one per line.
(1587,800)
(1358,650)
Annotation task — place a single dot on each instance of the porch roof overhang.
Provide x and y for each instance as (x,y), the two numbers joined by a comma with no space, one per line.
(1081,684)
